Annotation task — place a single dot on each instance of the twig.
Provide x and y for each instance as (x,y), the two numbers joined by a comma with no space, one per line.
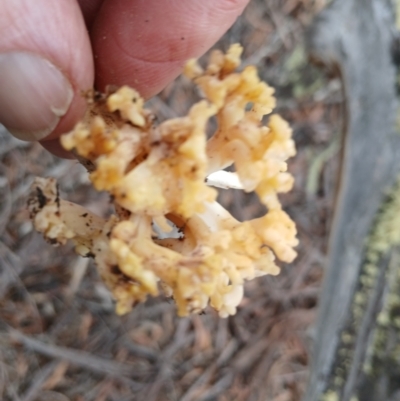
(215,390)
(141,351)
(318,164)
(182,340)
(37,382)
(5,198)
(10,268)
(249,355)
(271,47)
(193,392)
(75,357)
(227,353)
(268,49)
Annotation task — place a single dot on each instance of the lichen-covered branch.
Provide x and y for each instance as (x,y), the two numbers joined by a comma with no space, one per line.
(357,276)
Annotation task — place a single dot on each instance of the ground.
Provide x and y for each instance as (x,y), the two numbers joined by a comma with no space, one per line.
(59,336)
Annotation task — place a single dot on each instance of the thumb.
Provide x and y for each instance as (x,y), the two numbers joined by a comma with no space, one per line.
(45,63)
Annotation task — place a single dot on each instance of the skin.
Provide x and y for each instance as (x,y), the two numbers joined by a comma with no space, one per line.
(141,43)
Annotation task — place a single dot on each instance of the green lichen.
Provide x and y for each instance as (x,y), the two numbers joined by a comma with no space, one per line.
(383,239)
(330,396)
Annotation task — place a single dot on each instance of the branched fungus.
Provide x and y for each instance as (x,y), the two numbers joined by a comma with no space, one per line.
(168,234)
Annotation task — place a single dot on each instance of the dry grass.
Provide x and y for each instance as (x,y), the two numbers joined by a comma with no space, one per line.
(59,336)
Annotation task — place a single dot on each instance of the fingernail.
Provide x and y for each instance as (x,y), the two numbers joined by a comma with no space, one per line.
(34,94)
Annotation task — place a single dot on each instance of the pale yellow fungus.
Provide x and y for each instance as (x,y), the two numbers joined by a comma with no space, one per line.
(169,235)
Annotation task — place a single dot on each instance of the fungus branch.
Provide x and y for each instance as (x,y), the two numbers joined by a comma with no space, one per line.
(168,233)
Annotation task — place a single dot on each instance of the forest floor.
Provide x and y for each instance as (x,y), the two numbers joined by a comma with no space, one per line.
(60,339)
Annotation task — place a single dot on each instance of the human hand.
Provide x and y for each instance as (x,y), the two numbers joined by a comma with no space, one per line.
(52,50)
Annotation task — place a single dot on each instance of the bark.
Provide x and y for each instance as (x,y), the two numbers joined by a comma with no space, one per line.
(356,334)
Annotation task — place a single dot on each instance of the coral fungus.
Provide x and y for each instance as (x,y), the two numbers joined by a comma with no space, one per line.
(168,233)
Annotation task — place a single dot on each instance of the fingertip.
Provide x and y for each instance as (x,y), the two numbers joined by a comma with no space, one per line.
(89,10)
(145,44)
(54,147)
(45,63)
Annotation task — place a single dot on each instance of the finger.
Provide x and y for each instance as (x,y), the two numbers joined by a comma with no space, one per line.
(45,63)
(54,147)
(145,43)
(89,10)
